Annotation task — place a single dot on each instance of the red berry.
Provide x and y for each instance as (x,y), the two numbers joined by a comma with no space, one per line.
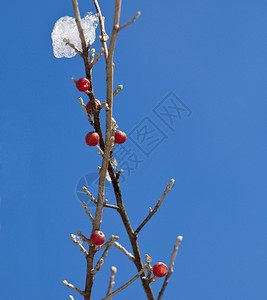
(83,84)
(120,137)
(160,269)
(92,138)
(89,106)
(97,237)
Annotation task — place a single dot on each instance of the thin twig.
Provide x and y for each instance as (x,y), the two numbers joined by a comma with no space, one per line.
(118,89)
(112,239)
(79,24)
(126,284)
(88,212)
(104,255)
(92,198)
(71,297)
(73,237)
(104,36)
(85,110)
(65,282)
(170,271)
(138,14)
(152,212)
(127,253)
(111,281)
(84,238)
(67,42)
(97,58)
(92,55)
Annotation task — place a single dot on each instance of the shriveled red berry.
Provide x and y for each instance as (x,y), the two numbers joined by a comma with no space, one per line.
(97,237)
(92,138)
(120,137)
(160,269)
(83,84)
(89,106)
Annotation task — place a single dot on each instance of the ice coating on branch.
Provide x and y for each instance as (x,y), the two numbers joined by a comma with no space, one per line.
(66,28)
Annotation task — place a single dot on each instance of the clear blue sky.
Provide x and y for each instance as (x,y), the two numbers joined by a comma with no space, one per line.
(212,56)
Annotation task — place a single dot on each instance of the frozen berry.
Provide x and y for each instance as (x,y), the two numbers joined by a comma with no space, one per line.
(83,84)
(160,269)
(97,237)
(89,106)
(92,138)
(120,137)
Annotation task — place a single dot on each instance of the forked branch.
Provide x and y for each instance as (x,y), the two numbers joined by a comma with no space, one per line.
(152,212)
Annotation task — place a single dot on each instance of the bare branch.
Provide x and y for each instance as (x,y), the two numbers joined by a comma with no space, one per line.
(126,284)
(88,212)
(104,255)
(108,140)
(138,14)
(152,212)
(73,237)
(170,271)
(112,239)
(97,58)
(79,25)
(111,281)
(65,282)
(120,247)
(104,104)
(92,198)
(104,36)
(67,42)
(84,238)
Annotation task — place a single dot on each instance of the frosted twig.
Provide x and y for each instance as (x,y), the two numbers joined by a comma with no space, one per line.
(97,58)
(126,284)
(84,238)
(65,282)
(92,198)
(118,89)
(152,212)
(84,108)
(73,237)
(170,271)
(67,42)
(138,14)
(120,247)
(104,103)
(104,255)
(111,281)
(92,54)
(104,35)
(88,212)
(112,239)
(71,297)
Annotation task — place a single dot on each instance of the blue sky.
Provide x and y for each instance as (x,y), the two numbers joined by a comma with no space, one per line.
(212,56)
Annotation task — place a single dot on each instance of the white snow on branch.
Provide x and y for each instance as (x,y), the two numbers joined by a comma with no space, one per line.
(66,28)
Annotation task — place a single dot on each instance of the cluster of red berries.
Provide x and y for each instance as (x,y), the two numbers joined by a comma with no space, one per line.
(98,238)
(92,138)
